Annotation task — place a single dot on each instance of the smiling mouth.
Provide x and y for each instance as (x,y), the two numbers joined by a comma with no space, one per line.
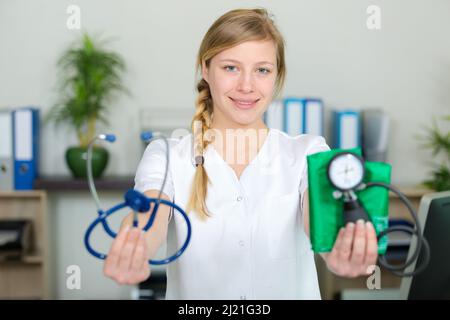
(244,104)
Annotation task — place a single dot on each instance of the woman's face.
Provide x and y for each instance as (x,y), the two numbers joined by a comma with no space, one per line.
(242,81)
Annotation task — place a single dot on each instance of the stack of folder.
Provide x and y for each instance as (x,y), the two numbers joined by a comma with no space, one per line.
(19,148)
(296,116)
(346,129)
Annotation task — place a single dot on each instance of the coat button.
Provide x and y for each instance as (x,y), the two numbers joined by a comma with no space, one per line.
(239,198)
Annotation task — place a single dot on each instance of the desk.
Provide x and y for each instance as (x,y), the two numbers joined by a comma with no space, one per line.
(27,278)
(331,285)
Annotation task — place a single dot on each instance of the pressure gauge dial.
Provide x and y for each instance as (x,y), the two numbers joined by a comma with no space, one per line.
(346,171)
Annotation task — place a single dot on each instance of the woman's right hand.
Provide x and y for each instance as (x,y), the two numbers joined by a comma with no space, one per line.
(127,260)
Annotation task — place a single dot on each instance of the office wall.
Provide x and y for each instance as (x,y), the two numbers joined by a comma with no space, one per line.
(404,68)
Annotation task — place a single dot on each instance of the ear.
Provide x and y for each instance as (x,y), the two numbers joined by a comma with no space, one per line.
(204,71)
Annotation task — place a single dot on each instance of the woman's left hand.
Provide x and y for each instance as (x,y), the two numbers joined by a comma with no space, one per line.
(355,249)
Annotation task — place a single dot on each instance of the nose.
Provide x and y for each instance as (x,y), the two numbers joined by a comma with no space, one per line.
(245,83)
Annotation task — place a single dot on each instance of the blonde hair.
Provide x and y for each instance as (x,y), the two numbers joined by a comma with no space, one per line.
(231,29)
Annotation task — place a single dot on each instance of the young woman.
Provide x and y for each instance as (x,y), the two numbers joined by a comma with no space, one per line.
(244,186)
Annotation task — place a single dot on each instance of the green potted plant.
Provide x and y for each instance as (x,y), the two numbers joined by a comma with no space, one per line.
(89,78)
(439,143)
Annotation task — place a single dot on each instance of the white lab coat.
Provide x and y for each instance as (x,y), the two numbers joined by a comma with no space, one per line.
(253,246)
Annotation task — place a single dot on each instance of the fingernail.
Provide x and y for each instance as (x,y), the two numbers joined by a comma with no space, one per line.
(360,222)
(127,228)
(350,225)
(369,225)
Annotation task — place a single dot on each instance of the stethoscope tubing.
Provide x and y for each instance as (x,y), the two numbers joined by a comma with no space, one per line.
(103,215)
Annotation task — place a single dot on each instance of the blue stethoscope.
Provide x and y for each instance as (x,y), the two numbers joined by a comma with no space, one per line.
(135,200)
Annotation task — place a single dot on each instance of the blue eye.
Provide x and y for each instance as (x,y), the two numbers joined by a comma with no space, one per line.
(227,68)
(264,70)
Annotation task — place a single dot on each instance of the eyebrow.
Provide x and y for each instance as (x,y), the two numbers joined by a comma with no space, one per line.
(236,61)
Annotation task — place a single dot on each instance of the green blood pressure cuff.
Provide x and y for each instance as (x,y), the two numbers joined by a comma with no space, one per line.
(326,213)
